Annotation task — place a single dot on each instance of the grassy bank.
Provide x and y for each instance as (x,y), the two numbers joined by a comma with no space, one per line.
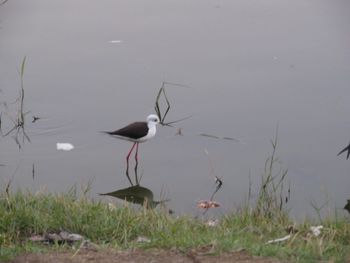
(253,228)
(23,215)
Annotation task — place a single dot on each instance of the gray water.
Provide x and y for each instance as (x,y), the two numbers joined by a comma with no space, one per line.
(250,66)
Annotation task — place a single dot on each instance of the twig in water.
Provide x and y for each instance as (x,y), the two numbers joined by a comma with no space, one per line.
(347,148)
(33,171)
(157,108)
(220,138)
(3,2)
(19,122)
(218,182)
(35,118)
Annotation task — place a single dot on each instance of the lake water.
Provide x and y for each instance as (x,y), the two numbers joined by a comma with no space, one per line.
(250,66)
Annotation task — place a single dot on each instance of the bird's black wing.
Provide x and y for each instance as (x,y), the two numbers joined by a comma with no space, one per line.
(134,130)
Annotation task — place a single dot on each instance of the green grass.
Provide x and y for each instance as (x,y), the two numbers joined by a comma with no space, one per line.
(24,214)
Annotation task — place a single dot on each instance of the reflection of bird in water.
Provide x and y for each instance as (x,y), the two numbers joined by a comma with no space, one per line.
(138,195)
(347,206)
(347,148)
(137,132)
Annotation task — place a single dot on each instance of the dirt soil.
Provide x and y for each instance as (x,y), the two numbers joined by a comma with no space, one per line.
(141,256)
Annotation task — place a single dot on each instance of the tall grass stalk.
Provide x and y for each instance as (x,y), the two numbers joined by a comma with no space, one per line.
(273,198)
(19,122)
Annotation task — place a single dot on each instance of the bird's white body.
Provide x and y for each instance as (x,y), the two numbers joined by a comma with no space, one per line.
(151,131)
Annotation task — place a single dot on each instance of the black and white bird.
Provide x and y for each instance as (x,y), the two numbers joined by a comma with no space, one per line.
(137,132)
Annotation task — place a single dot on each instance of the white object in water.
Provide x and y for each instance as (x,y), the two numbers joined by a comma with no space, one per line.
(64,146)
(115,41)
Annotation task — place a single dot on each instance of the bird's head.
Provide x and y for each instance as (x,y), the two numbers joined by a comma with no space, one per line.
(152,118)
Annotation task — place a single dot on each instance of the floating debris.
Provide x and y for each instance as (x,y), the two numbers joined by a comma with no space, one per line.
(64,146)
(206,204)
(115,41)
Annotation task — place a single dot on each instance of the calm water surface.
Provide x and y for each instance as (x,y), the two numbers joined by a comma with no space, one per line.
(251,65)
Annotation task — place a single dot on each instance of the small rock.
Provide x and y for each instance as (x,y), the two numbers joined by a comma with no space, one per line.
(37,238)
(212,223)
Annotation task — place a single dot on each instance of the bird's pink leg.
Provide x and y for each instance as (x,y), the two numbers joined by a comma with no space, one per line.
(136,163)
(132,148)
(137,151)
(127,158)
